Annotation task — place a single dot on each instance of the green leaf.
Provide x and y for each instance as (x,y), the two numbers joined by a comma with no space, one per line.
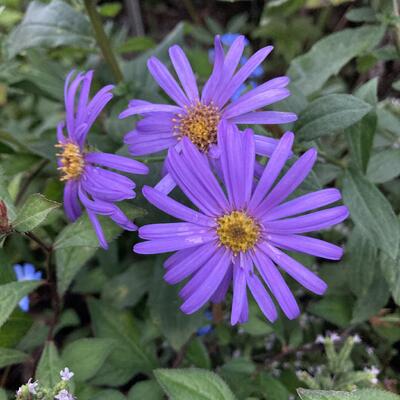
(5,196)
(110,9)
(15,328)
(330,114)
(33,213)
(50,25)
(11,356)
(193,384)
(384,166)
(335,309)
(86,356)
(109,322)
(272,388)
(3,394)
(109,394)
(164,304)
(137,43)
(82,234)
(361,394)
(126,289)
(149,390)
(361,14)
(391,271)
(370,210)
(11,294)
(49,367)
(327,57)
(197,354)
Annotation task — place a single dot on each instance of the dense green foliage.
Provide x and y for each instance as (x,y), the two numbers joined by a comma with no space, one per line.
(108,315)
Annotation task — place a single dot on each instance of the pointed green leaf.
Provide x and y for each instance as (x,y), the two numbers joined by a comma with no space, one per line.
(384,166)
(11,356)
(361,394)
(49,367)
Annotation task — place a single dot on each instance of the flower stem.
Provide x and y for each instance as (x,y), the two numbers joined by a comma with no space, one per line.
(102,39)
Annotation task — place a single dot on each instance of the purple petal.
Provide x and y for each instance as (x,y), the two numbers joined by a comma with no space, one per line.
(122,220)
(166,185)
(117,162)
(175,209)
(185,73)
(161,122)
(304,203)
(186,266)
(173,229)
(220,294)
(308,223)
(166,81)
(272,170)
(97,206)
(98,229)
(71,203)
(276,284)
(296,270)
(239,292)
(69,97)
(143,144)
(265,146)
(150,108)
(265,117)
(290,182)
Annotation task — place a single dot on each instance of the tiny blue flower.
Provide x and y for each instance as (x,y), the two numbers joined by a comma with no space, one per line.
(204,330)
(26,272)
(228,38)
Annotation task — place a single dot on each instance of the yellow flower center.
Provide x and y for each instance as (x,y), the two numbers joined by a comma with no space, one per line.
(238,231)
(72,162)
(199,124)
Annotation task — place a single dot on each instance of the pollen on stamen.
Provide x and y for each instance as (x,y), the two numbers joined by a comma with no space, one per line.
(71,159)
(199,124)
(238,231)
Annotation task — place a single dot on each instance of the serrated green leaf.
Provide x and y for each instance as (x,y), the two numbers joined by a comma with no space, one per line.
(164,302)
(193,384)
(149,390)
(108,322)
(372,212)
(86,356)
(11,294)
(50,25)
(326,58)
(362,394)
(11,356)
(49,367)
(330,114)
(33,213)
(384,166)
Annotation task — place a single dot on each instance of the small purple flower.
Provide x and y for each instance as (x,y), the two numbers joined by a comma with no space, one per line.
(26,272)
(64,395)
(236,238)
(197,116)
(66,374)
(87,181)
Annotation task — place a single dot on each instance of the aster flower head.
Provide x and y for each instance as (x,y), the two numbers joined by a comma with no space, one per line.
(196,115)
(238,237)
(26,272)
(89,181)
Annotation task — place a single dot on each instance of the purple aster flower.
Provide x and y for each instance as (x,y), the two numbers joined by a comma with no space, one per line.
(87,181)
(197,116)
(26,272)
(238,237)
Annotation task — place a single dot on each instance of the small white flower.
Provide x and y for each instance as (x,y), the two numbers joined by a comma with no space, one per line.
(19,391)
(66,374)
(32,386)
(370,351)
(334,337)
(374,372)
(357,339)
(64,395)
(320,339)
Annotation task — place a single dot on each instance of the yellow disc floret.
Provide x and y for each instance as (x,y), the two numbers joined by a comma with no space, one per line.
(199,124)
(71,159)
(238,231)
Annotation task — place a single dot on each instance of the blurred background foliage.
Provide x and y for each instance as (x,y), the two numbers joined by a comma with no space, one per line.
(109,316)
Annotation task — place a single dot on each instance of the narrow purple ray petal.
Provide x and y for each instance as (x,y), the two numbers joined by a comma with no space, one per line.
(98,229)
(296,270)
(166,81)
(185,73)
(167,230)
(265,117)
(150,108)
(178,256)
(308,223)
(71,204)
(97,206)
(204,292)
(308,245)
(122,220)
(244,72)
(255,102)
(84,97)
(142,144)
(162,122)
(262,298)
(304,203)
(272,170)
(60,132)
(215,77)
(71,91)
(175,209)
(290,182)
(166,185)
(244,316)
(265,146)
(276,284)
(220,294)
(117,162)
(239,292)
(172,244)
(190,264)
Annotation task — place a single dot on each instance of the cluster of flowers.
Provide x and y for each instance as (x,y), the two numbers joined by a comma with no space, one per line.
(32,389)
(242,220)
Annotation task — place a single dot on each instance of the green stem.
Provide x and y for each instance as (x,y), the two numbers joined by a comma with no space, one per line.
(102,39)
